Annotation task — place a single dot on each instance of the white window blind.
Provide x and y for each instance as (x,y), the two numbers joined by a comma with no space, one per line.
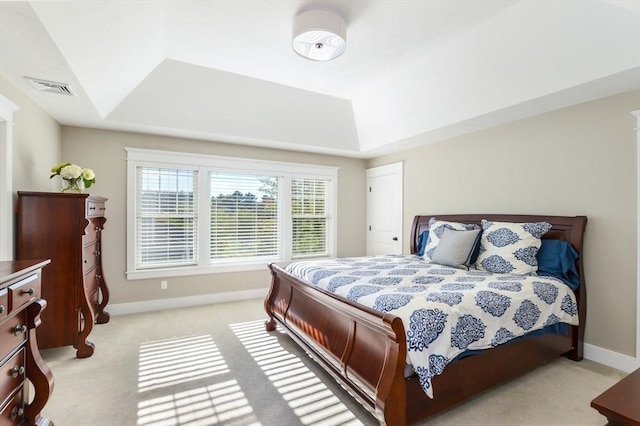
(244,216)
(310,217)
(191,214)
(166,217)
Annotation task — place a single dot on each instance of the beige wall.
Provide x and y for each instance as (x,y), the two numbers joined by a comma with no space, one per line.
(104,152)
(576,161)
(36,142)
(579,160)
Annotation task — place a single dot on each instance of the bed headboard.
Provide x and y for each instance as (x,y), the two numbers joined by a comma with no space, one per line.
(566,228)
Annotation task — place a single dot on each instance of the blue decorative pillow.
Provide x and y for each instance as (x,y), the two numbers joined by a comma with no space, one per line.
(422,242)
(507,247)
(557,258)
(436,229)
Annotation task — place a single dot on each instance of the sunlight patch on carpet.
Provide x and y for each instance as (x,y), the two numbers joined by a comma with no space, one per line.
(182,359)
(304,392)
(208,405)
(176,361)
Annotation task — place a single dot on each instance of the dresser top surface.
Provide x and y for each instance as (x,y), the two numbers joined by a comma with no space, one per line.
(61,195)
(10,269)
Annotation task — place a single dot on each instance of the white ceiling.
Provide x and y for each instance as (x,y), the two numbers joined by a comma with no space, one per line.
(225,70)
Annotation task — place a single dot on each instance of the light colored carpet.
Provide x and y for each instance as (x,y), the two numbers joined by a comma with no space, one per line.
(216,364)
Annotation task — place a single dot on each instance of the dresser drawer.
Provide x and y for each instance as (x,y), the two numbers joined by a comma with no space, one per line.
(13,412)
(90,256)
(92,231)
(13,332)
(12,374)
(4,303)
(95,208)
(92,281)
(24,291)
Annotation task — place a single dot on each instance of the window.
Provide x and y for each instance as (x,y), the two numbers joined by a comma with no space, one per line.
(196,214)
(166,219)
(244,216)
(309,217)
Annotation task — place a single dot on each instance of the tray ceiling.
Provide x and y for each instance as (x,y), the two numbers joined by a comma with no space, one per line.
(413,72)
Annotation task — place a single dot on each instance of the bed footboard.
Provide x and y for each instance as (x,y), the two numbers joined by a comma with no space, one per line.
(362,349)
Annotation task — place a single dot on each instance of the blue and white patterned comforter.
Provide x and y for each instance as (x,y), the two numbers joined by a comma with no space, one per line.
(445,311)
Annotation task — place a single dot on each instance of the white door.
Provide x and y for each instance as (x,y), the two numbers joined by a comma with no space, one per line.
(384,210)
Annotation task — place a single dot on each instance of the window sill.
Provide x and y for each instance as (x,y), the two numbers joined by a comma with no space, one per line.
(213,269)
(194,270)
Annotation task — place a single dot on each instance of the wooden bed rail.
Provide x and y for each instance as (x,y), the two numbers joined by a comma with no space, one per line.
(362,349)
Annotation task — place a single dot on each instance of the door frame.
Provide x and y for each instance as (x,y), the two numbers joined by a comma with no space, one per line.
(7,108)
(636,113)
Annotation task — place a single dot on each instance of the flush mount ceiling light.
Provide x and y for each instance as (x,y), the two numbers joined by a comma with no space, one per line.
(319,35)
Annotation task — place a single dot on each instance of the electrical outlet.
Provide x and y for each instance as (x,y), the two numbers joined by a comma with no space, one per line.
(163,285)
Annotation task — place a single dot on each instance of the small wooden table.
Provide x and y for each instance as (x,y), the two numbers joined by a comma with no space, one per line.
(620,404)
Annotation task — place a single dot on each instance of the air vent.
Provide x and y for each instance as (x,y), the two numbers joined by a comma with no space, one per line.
(51,86)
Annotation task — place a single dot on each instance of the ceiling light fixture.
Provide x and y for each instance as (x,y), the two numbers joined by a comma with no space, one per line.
(319,35)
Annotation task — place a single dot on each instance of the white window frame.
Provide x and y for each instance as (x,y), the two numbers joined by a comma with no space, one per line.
(137,157)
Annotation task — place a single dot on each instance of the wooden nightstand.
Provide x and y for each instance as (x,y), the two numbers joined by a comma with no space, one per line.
(620,404)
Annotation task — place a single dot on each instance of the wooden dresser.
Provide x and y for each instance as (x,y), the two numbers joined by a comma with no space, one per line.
(66,228)
(20,360)
(620,404)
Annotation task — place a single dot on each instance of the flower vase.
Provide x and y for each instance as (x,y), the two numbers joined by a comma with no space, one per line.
(73,185)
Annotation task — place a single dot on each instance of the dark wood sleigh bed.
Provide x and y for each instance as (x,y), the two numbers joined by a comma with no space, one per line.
(365,350)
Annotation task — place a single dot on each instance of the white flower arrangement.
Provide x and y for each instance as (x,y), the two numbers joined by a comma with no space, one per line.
(75,177)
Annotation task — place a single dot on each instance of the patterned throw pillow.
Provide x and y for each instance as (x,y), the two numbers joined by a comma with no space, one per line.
(507,247)
(436,228)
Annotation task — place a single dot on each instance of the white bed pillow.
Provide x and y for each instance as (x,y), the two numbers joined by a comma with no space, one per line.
(436,228)
(507,247)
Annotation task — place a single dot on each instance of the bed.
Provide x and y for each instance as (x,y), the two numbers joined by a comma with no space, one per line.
(366,350)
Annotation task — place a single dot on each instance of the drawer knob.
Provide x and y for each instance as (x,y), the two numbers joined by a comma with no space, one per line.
(2,309)
(30,292)
(92,208)
(17,413)
(18,329)
(18,370)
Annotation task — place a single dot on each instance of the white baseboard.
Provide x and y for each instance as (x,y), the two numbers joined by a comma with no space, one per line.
(611,359)
(184,302)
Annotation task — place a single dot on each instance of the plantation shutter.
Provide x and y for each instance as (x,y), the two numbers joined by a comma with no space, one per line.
(244,216)
(166,217)
(310,217)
